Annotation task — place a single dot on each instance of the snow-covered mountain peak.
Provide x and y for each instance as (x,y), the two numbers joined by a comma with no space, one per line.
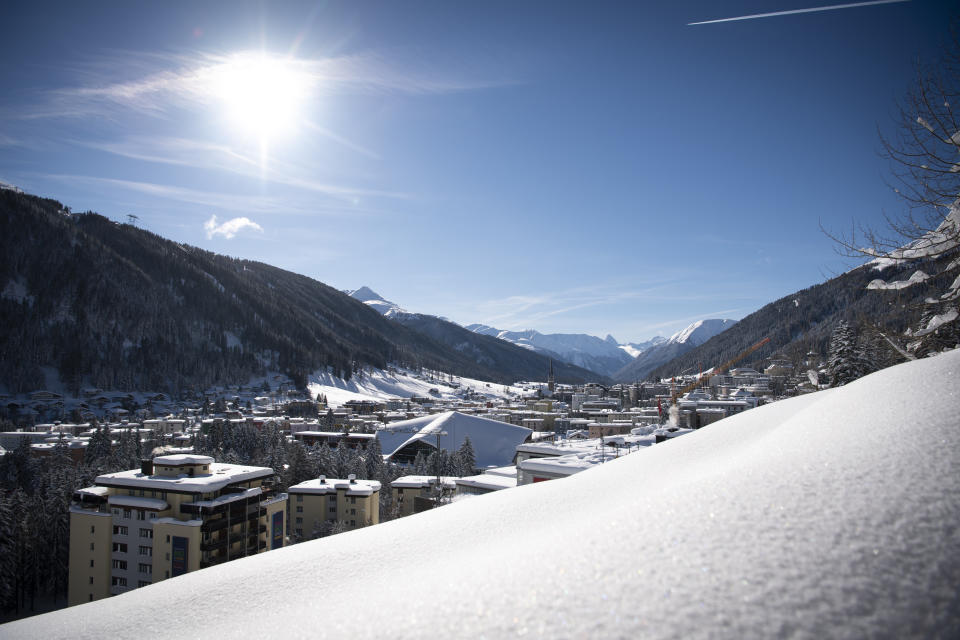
(374,300)
(700,331)
(365,294)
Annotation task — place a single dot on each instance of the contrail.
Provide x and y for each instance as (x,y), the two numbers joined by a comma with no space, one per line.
(793,11)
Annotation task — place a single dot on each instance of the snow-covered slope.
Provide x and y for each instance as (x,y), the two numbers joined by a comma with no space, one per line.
(700,331)
(828,515)
(376,384)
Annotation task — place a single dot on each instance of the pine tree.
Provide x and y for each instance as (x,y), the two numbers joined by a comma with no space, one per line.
(467,459)
(845,362)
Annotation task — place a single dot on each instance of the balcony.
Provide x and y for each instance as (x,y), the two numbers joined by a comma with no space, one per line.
(212,545)
(210,526)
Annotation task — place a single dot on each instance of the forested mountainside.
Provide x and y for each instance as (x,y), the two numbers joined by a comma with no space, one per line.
(804,321)
(510,359)
(113,306)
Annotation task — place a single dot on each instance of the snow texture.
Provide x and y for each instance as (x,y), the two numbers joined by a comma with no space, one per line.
(830,515)
(937,242)
(917,277)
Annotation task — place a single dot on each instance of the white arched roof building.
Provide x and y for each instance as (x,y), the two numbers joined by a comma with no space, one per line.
(494,443)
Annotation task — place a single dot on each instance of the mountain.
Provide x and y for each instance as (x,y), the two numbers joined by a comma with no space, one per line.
(803,322)
(375,301)
(603,356)
(85,301)
(509,358)
(679,343)
(600,356)
(831,515)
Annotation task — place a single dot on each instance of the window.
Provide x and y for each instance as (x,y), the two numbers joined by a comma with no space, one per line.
(91,546)
(299,533)
(299,497)
(120,564)
(131,492)
(91,579)
(93,528)
(299,509)
(141,515)
(143,583)
(91,598)
(146,551)
(119,547)
(353,523)
(353,499)
(168,557)
(146,568)
(117,581)
(146,533)
(141,493)
(353,512)
(119,530)
(126,512)
(167,573)
(333,508)
(153,515)
(115,512)
(168,538)
(299,520)
(91,562)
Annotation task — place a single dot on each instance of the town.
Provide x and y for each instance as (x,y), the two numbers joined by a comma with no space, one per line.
(246,469)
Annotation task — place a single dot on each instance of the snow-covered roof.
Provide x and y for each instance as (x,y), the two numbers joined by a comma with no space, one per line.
(153,504)
(817,516)
(488,481)
(509,472)
(178,459)
(565,465)
(221,474)
(420,482)
(494,443)
(321,486)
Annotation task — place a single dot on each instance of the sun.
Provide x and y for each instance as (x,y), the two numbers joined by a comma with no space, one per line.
(261,95)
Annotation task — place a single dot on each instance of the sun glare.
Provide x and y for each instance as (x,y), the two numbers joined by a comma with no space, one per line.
(262,95)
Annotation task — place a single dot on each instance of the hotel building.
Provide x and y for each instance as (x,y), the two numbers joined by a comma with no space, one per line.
(177,513)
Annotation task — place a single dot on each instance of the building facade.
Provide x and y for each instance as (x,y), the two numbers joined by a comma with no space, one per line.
(314,503)
(176,514)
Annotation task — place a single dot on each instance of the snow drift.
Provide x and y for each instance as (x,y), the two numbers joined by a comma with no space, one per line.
(829,515)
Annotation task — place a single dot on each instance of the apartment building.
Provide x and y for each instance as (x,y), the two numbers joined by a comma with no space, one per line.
(413,494)
(176,514)
(355,503)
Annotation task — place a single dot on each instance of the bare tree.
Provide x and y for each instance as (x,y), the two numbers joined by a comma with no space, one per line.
(924,154)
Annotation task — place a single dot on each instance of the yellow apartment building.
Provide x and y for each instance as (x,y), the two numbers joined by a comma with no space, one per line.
(176,514)
(355,503)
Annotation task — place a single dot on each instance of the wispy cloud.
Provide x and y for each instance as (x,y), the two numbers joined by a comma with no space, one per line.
(159,84)
(223,201)
(229,228)
(219,157)
(789,12)
(326,133)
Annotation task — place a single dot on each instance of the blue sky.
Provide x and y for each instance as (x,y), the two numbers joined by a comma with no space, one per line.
(570,167)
